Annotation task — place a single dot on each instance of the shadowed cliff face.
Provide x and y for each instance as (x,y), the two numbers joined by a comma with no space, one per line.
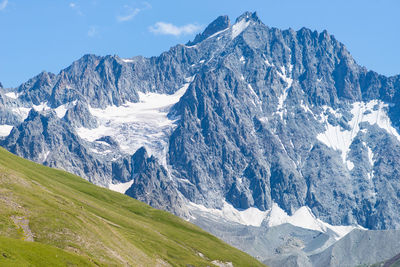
(244,114)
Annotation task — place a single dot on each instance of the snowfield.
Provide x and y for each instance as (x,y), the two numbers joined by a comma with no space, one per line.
(373,112)
(134,125)
(275,216)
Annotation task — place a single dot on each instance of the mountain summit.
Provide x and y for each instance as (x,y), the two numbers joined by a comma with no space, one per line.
(247,16)
(219,24)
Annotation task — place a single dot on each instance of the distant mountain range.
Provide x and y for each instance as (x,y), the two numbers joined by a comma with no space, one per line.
(248,127)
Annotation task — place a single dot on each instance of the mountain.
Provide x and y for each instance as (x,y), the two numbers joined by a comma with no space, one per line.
(85,225)
(246,125)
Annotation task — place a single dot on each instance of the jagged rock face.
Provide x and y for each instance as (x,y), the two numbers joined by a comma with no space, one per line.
(362,245)
(221,23)
(46,139)
(244,114)
(110,80)
(152,184)
(38,88)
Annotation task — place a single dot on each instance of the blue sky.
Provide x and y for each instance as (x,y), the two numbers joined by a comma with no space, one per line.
(50,34)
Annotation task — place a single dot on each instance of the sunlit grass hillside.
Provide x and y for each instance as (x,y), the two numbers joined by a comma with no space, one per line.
(75,223)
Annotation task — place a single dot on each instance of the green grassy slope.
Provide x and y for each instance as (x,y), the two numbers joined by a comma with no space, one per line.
(93,225)
(15,252)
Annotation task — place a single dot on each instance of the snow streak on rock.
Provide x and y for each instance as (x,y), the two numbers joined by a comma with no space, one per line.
(373,112)
(239,27)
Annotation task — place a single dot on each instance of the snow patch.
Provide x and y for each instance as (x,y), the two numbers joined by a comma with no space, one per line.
(217,33)
(239,27)
(120,187)
(62,109)
(23,112)
(105,152)
(373,112)
(103,143)
(92,134)
(370,160)
(305,107)
(242,59)
(255,96)
(12,95)
(350,165)
(127,60)
(304,218)
(43,156)
(281,100)
(328,109)
(251,216)
(275,216)
(134,125)
(284,75)
(370,155)
(5,129)
(41,107)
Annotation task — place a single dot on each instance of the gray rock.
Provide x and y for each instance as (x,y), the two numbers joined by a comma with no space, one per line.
(44,138)
(79,116)
(153,185)
(360,247)
(219,24)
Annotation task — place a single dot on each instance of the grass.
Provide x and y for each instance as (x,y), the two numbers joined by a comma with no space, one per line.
(95,226)
(20,253)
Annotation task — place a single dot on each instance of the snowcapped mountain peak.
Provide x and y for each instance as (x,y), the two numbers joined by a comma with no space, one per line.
(247,16)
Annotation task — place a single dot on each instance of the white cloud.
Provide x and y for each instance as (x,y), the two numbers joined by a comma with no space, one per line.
(93,31)
(171,29)
(3,4)
(131,12)
(129,15)
(75,7)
